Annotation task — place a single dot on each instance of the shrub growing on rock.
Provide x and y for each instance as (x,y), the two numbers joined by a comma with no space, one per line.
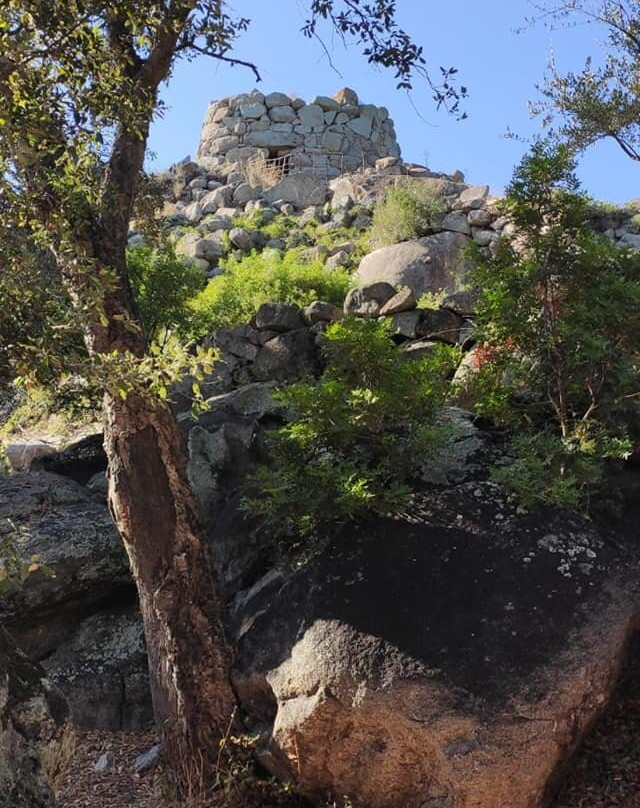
(162,284)
(408,211)
(355,436)
(247,283)
(560,321)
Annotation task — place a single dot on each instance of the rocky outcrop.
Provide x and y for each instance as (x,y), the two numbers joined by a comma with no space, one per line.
(102,670)
(450,657)
(31,716)
(96,662)
(430,264)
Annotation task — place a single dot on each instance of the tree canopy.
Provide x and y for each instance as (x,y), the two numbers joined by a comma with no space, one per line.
(603,99)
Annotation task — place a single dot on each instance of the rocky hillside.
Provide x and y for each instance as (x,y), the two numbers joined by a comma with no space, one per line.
(453,654)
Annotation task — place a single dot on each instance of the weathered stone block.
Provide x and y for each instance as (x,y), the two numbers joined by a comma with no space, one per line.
(282,114)
(311,115)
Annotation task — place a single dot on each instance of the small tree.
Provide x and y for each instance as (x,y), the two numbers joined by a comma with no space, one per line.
(162,283)
(560,323)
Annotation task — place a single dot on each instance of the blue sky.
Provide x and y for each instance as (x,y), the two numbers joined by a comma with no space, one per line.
(499,66)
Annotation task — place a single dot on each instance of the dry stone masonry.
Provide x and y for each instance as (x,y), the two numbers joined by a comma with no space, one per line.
(328,136)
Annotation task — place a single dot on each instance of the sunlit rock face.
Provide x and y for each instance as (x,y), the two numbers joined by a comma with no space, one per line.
(450,657)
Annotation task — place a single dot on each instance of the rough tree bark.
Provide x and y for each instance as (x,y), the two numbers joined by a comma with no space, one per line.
(149,495)
(154,510)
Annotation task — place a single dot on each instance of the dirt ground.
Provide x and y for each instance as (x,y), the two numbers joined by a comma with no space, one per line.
(606,771)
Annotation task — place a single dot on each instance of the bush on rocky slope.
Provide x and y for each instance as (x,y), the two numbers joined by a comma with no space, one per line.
(356,435)
(408,211)
(235,296)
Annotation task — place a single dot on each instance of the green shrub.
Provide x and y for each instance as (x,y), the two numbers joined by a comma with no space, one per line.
(548,470)
(408,211)
(279,227)
(235,296)
(559,319)
(354,437)
(162,284)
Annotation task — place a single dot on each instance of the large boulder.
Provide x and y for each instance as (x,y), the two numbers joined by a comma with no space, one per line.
(302,190)
(287,357)
(31,715)
(368,299)
(80,460)
(102,671)
(68,529)
(429,264)
(450,657)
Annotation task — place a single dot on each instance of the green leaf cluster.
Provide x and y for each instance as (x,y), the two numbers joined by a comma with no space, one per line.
(162,284)
(39,334)
(408,211)
(247,283)
(602,99)
(354,437)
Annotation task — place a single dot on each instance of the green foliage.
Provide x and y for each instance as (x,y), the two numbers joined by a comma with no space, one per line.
(602,99)
(38,332)
(162,284)
(151,377)
(408,211)
(235,296)
(559,319)
(354,437)
(432,300)
(278,228)
(548,469)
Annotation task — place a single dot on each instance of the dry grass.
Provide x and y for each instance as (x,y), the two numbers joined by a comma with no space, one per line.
(262,172)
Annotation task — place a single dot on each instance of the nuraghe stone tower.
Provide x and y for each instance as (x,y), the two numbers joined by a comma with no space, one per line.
(328,137)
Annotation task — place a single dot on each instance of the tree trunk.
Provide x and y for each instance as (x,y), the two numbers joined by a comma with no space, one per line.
(152,506)
(154,510)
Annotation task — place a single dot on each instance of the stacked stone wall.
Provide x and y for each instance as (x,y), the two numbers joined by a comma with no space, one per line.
(329,136)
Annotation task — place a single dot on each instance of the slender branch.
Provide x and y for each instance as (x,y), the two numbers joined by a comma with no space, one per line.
(326,53)
(626,148)
(228,59)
